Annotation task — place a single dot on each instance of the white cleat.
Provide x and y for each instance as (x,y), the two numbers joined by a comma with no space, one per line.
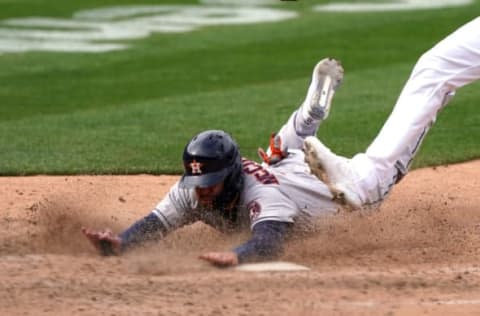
(326,78)
(335,171)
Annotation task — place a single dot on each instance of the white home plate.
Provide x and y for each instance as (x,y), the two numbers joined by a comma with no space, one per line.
(271,266)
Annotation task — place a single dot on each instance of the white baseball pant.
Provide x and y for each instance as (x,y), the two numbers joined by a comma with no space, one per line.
(451,64)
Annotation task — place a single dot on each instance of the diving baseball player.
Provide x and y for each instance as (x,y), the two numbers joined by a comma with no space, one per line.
(368,177)
(224,190)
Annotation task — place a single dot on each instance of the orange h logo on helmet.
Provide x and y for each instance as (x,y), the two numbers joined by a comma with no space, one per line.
(196,167)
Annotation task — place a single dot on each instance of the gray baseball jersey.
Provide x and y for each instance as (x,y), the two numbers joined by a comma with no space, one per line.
(284,192)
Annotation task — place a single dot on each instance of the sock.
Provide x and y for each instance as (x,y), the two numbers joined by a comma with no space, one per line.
(305,125)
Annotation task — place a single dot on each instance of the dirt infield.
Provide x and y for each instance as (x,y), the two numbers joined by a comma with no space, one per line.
(419,254)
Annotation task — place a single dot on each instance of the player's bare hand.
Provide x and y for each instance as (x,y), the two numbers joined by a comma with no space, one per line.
(105,241)
(221,259)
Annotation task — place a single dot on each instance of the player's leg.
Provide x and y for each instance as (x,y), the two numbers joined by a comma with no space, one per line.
(448,66)
(368,177)
(305,121)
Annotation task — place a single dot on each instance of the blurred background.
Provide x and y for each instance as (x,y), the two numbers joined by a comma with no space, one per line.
(119,87)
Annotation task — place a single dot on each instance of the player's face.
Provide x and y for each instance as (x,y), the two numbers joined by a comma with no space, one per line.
(207,195)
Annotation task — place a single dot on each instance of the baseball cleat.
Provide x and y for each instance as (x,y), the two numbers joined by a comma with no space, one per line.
(335,171)
(326,78)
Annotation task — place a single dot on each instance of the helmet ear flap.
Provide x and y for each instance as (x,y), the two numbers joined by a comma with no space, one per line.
(233,185)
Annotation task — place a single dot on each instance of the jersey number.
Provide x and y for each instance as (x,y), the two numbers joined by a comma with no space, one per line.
(262,175)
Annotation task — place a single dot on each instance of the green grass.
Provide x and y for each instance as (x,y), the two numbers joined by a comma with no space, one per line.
(132,111)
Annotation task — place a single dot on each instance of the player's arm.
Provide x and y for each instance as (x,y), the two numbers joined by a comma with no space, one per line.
(148,228)
(169,214)
(266,243)
(107,243)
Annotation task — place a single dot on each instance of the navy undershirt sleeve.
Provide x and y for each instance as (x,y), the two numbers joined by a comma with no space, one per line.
(266,242)
(148,228)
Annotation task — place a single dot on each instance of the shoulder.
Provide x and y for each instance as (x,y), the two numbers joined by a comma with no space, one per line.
(258,174)
(179,198)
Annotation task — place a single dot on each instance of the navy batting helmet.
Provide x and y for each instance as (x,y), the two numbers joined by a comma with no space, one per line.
(210,158)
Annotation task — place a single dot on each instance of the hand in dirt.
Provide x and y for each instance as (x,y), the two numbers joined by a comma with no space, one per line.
(221,259)
(106,242)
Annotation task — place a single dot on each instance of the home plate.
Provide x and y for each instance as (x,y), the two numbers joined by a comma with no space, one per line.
(271,266)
